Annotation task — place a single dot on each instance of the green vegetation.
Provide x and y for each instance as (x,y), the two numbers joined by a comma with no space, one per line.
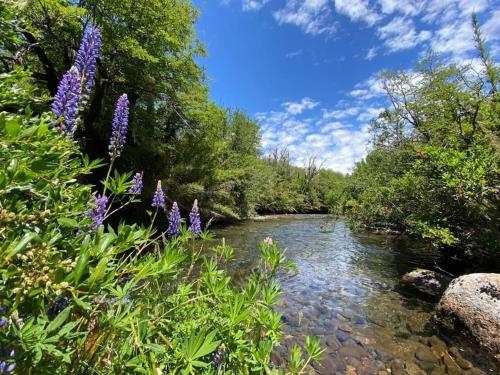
(177,134)
(80,297)
(434,170)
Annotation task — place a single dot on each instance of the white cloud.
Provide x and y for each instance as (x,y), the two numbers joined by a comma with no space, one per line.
(312,16)
(338,114)
(371,88)
(253,5)
(491,28)
(372,52)
(404,7)
(370,113)
(296,108)
(358,10)
(292,54)
(400,34)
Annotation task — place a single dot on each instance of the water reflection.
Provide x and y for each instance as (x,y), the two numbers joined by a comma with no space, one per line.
(346,292)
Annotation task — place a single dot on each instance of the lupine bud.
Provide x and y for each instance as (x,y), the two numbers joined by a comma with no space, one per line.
(119,128)
(174,222)
(97,213)
(86,58)
(194,220)
(65,103)
(158,197)
(136,188)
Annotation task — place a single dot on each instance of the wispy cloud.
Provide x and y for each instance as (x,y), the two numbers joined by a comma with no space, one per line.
(372,52)
(253,5)
(293,54)
(312,16)
(358,10)
(400,34)
(296,108)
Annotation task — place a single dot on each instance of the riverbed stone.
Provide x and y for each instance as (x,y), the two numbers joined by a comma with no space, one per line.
(426,358)
(397,367)
(471,306)
(413,369)
(461,361)
(426,281)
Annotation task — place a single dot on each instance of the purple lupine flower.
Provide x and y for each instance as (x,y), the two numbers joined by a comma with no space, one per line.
(66,100)
(10,368)
(86,58)
(136,188)
(2,322)
(2,366)
(174,221)
(119,129)
(98,212)
(194,220)
(158,197)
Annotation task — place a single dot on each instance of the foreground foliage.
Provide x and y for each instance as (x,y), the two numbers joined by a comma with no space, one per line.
(80,296)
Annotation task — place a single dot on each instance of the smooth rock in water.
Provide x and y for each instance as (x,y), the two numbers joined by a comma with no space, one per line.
(413,369)
(397,367)
(461,361)
(471,306)
(426,281)
(426,359)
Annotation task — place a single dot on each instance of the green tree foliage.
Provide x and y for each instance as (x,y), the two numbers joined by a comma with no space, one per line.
(435,170)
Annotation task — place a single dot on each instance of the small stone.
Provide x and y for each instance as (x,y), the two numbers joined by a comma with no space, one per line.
(461,361)
(425,354)
(342,336)
(397,367)
(413,369)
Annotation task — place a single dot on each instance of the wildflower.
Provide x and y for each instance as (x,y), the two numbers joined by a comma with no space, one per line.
(98,212)
(119,129)
(268,241)
(158,197)
(194,219)
(60,303)
(136,188)
(219,357)
(86,57)
(2,366)
(2,322)
(10,368)
(174,221)
(65,103)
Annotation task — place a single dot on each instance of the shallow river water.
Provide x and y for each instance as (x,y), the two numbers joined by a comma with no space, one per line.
(346,292)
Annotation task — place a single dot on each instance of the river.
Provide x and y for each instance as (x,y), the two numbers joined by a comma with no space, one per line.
(346,292)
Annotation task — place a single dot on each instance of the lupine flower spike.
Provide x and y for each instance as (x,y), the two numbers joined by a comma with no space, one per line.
(158,197)
(136,188)
(97,213)
(66,101)
(194,220)
(174,222)
(119,129)
(86,58)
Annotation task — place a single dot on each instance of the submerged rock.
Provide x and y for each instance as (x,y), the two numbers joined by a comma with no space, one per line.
(426,281)
(471,306)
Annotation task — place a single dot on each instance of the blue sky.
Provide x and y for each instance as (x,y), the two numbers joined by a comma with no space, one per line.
(307,70)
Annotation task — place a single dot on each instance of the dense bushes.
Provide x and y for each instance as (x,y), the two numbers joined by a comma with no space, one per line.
(435,167)
(80,296)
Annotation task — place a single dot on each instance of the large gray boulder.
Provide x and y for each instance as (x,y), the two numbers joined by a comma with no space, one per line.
(426,281)
(471,306)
